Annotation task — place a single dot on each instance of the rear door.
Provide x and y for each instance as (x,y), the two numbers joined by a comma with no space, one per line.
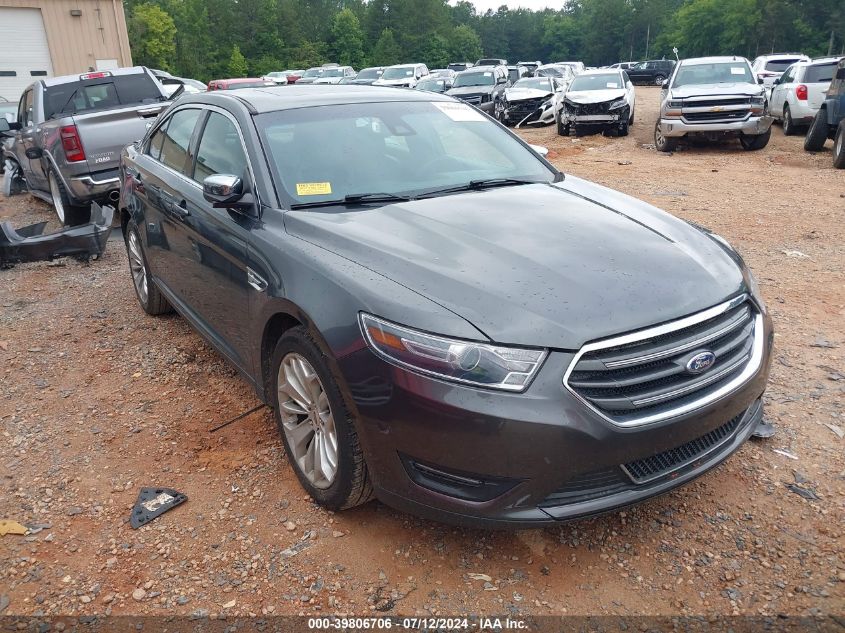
(212,243)
(780,91)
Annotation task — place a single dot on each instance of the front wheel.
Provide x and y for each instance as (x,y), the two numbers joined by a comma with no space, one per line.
(839,146)
(623,129)
(753,142)
(664,143)
(13,182)
(317,428)
(499,110)
(658,81)
(562,130)
(817,134)
(68,214)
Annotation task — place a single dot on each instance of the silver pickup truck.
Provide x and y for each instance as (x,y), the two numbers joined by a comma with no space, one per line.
(713,98)
(65,143)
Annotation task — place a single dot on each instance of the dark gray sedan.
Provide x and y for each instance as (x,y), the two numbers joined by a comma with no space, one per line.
(439,317)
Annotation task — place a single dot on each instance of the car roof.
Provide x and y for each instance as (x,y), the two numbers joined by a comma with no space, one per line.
(716,59)
(414,65)
(273,99)
(783,56)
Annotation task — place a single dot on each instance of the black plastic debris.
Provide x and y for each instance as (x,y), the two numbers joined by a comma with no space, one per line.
(29,244)
(805,493)
(153,502)
(763,430)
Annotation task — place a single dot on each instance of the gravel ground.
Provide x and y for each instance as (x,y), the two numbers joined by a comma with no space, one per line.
(99,400)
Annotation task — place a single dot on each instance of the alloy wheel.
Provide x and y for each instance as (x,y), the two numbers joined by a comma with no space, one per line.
(658,81)
(499,110)
(307,420)
(136,265)
(58,205)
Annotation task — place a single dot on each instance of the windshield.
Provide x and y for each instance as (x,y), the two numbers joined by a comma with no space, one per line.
(334,72)
(716,73)
(538,83)
(399,148)
(435,85)
(780,65)
(398,73)
(275,74)
(369,73)
(313,72)
(474,79)
(99,94)
(552,71)
(819,73)
(596,82)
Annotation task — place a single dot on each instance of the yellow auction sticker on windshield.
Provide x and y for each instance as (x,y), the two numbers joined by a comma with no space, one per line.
(313,188)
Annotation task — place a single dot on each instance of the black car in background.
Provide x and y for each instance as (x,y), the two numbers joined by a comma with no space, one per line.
(653,72)
(483,87)
(437,315)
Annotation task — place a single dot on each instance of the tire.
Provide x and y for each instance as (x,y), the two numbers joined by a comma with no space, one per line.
(622,130)
(580,131)
(817,134)
(658,81)
(297,359)
(562,130)
(69,214)
(499,111)
(788,123)
(148,294)
(631,118)
(664,143)
(839,146)
(754,142)
(13,182)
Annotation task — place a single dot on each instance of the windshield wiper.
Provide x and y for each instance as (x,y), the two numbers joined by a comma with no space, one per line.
(485,183)
(353,198)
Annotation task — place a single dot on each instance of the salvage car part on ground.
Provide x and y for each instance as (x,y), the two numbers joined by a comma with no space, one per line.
(152,503)
(29,244)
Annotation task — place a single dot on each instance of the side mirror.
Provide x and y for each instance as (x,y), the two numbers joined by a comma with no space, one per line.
(665,85)
(223,190)
(539,149)
(761,82)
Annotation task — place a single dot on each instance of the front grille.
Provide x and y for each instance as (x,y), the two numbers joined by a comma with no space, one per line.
(589,486)
(649,378)
(521,109)
(706,117)
(712,103)
(644,470)
(588,108)
(473,99)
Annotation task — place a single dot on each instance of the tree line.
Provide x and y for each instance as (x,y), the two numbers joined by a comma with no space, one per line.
(208,39)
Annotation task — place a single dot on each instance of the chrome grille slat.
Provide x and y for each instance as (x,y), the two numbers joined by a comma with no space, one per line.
(643,377)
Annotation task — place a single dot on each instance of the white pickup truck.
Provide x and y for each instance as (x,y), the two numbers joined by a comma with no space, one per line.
(65,143)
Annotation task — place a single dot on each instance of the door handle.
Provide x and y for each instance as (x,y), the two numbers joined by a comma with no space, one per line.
(180,210)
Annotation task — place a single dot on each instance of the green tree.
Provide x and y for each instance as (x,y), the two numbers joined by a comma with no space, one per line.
(152,35)
(386,52)
(347,39)
(237,63)
(464,44)
(435,52)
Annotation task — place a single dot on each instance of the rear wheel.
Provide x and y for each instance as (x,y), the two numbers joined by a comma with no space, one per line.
(658,81)
(317,429)
(817,134)
(788,124)
(752,142)
(69,214)
(664,143)
(839,146)
(149,296)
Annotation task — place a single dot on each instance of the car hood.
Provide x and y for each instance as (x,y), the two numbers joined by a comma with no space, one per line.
(520,94)
(469,90)
(595,96)
(542,265)
(707,90)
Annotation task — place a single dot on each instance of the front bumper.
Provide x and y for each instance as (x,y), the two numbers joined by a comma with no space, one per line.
(527,449)
(680,127)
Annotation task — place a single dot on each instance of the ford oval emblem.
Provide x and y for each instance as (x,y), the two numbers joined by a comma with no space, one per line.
(701,362)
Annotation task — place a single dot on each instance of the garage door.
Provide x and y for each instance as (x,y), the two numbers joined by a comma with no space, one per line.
(24,55)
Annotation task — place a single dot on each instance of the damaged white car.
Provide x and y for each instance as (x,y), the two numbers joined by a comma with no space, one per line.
(534,100)
(598,101)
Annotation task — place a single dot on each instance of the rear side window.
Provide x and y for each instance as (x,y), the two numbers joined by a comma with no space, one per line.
(99,94)
(819,73)
(220,150)
(174,148)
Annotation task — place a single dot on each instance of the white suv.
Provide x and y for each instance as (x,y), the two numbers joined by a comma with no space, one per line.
(402,75)
(770,67)
(799,93)
(335,74)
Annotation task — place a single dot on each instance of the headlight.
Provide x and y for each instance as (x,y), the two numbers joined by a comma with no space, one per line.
(750,280)
(507,368)
(547,103)
(619,103)
(754,288)
(761,100)
(675,103)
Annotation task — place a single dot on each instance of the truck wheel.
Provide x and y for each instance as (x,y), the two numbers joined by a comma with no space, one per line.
(69,214)
(788,123)
(817,134)
(839,146)
(316,425)
(752,142)
(658,81)
(664,143)
(149,296)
